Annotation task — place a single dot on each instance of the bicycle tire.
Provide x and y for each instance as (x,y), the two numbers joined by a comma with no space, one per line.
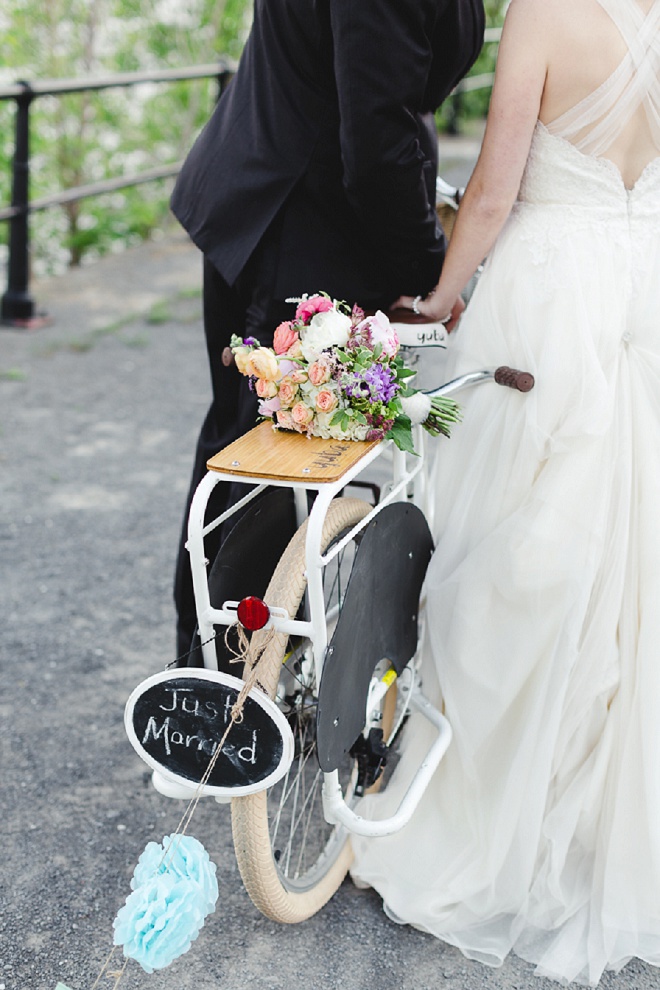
(274,891)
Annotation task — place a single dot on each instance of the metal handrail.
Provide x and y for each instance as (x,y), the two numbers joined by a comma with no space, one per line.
(17,307)
(94,189)
(58,87)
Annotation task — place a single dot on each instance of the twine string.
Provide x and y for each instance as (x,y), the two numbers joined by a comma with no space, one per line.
(104,967)
(250,656)
(118,975)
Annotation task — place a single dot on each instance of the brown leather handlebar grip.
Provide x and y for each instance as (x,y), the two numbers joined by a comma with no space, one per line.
(227,357)
(522,380)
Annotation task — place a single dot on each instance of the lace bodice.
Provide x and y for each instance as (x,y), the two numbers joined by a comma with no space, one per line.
(567,196)
(558,174)
(567,165)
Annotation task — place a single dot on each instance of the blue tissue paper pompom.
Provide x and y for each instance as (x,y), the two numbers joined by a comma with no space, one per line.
(174,889)
(159,921)
(181,856)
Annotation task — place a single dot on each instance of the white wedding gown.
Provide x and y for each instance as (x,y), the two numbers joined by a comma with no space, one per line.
(540,832)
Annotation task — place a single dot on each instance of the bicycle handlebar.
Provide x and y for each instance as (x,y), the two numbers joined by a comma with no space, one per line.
(512,378)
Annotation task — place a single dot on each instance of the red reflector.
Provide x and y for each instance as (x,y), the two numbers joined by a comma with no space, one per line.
(253,613)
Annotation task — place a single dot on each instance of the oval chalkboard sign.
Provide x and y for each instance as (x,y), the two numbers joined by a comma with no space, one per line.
(176,719)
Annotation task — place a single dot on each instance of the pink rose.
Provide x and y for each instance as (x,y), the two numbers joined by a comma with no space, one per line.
(285,419)
(326,400)
(265,389)
(298,376)
(302,414)
(315,304)
(287,392)
(319,373)
(284,338)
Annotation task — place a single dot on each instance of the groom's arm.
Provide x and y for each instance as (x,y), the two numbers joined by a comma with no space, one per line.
(382,57)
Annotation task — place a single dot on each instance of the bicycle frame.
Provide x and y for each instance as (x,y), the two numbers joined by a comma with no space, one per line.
(409,480)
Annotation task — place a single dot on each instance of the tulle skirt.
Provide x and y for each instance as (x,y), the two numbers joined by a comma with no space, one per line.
(540,831)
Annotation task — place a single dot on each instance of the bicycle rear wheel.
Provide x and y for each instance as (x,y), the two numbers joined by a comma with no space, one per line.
(291,860)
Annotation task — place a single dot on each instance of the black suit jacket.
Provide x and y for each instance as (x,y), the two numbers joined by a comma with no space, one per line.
(327,126)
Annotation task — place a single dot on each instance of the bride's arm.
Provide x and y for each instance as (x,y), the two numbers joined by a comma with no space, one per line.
(492,189)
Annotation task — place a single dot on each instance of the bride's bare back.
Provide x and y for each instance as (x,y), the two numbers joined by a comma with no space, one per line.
(589,70)
(584,49)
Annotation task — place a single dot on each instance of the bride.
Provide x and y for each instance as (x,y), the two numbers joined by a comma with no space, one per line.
(540,832)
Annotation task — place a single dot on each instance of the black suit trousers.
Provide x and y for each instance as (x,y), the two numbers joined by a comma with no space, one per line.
(248,309)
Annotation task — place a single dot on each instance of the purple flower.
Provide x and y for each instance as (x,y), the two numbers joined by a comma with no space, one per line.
(377,383)
(359,336)
(250,342)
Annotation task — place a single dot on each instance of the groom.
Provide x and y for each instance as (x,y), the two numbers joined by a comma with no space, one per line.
(316,172)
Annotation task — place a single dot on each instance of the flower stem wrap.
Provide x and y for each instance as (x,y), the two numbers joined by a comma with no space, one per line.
(436,415)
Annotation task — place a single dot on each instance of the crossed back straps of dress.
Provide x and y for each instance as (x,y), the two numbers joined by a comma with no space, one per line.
(600,117)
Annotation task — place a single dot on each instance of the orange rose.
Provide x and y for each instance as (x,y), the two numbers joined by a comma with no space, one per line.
(295,351)
(262,363)
(241,355)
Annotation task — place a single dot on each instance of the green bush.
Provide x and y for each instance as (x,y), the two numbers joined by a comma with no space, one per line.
(88,137)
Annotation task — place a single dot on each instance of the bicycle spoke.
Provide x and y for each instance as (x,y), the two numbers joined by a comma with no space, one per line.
(303,842)
(290,786)
(308,807)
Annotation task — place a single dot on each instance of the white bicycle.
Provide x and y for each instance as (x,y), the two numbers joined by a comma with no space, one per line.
(318,595)
(326,588)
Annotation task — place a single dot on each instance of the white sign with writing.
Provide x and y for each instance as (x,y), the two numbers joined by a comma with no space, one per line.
(421,334)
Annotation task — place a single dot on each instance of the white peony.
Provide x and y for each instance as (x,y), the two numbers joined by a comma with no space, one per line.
(383,333)
(329,329)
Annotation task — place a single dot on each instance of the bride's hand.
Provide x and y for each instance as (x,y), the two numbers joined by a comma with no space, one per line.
(429,308)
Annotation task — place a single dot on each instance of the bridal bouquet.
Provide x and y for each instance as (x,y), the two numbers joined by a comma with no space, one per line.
(334,373)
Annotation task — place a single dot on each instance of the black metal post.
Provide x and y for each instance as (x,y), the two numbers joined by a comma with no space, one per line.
(453,122)
(224,77)
(17,307)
